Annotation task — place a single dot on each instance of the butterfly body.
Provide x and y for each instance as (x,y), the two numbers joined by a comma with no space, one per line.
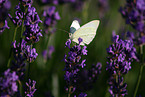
(87,32)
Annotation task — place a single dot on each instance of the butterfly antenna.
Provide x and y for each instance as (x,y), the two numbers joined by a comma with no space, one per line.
(62,30)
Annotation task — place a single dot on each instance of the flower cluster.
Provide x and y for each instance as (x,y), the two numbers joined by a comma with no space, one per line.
(19,16)
(73,64)
(50,19)
(25,50)
(47,54)
(117,87)
(32,31)
(22,52)
(136,38)
(8,85)
(4,7)
(30,88)
(86,78)
(133,12)
(121,54)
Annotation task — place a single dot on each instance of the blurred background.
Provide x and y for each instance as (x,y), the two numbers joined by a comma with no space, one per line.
(49,73)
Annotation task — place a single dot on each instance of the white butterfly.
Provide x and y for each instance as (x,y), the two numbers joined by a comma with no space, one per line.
(87,32)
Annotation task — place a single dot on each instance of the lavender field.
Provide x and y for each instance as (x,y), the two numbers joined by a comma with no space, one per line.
(72,48)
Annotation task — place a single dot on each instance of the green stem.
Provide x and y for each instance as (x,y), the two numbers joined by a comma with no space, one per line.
(15,33)
(20,86)
(14,36)
(22,28)
(69,91)
(141,70)
(28,71)
(116,82)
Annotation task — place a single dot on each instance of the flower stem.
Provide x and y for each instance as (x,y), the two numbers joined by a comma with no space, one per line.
(14,36)
(15,33)
(69,91)
(22,28)
(20,86)
(141,70)
(28,71)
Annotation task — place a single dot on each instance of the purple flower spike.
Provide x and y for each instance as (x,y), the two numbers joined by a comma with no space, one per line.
(133,13)
(8,85)
(20,56)
(30,88)
(17,20)
(117,87)
(73,64)
(32,32)
(47,54)
(31,53)
(121,54)
(50,19)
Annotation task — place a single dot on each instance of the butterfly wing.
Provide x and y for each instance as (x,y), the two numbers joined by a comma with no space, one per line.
(74,26)
(87,32)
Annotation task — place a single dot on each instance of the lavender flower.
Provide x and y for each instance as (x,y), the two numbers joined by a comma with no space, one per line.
(4,7)
(22,52)
(121,54)
(8,85)
(19,54)
(133,12)
(20,13)
(32,31)
(86,78)
(30,88)
(117,87)
(73,64)
(47,54)
(50,19)
(19,16)
(95,71)
(30,53)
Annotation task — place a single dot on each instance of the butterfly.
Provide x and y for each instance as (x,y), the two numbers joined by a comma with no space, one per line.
(87,32)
